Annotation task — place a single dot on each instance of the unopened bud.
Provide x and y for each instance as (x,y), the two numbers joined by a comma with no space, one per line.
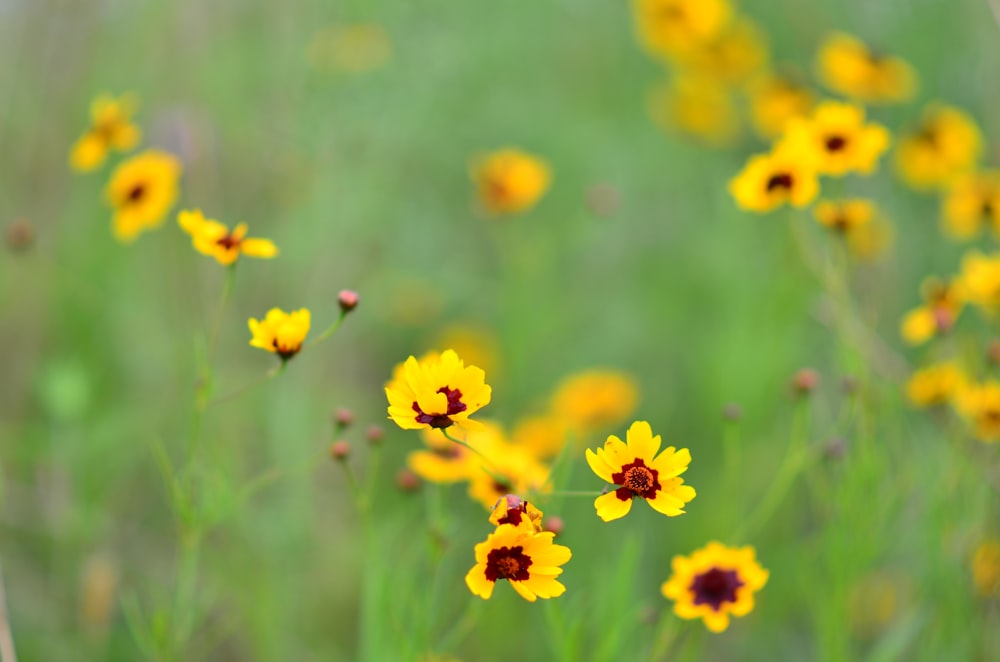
(20,236)
(339,450)
(805,381)
(348,300)
(343,417)
(407,481)
(554,524)
(732,412)
(374,434)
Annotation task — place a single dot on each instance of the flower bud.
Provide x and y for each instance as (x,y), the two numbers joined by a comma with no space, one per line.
(343,417)
(805,381)
(339,450)
(407,481)
(374,434)
(732,412)
(554,524)
(348,300)
(20,235)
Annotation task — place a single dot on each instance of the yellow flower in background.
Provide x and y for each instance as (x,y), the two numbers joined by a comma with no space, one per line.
(438,391)
(352,49)
(444,461)
(875,601)
(971,200)
(670,27)
(530,561)
(980,280)
(838,139)
(986,568)
(732,56)
(845,216)
(943,304)
(476,344)
(594,400)
(510,470)
(714,583)
(774,100)
(512,509)
(111,128)
(769,181)
(697,105)
(871,241)
(980,405)
(848,66)
(213,238)
(509,180)
(936,384)
(280,332)
(142,190)
(946,143)
(635,467)
(543,436)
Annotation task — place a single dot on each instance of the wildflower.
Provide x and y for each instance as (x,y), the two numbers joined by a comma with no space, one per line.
(946,143)
(935,385)
(669,27)
(111,128)
(986,568)
(771,180)
(443,461)
(543,436)
(837,139)
(849,67)
(980,405)
(509,180)
(510,469)
(438,391)
(970,201)
(774,100)
(714,583)
(593,400)
(353,49)
(527,559)
(732,56)
(635,466)
(512,509)
(216,240)
(280,332)
(980,280)
(142,190)
(697,105)
(348,300)
(475,343)
(844,216)
(943,303)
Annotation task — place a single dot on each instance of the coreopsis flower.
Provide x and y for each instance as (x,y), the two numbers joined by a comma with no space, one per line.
(543,436)
(845,216)
(696,105)
(979,404)
(475,343)
(512,509)
(943,301)
(637,470)
(529,560)
(352,49)
(509,181)
(980,280)
(972,200)
(142,190)
(594,400)
(732,56)
(438,391)
(848,66)
(986,568)
(443,461)
(837,138)
(714,583)
(510,470)
(672,27)
(946,143)
(936,384)
(769,181)
(280,332)
(774,100)
(110,129)
(213,238)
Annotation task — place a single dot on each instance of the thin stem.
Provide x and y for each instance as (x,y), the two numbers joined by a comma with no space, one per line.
(330,330)
(492,472)
(7,653)
(270,374)
(574,493)
(227,290)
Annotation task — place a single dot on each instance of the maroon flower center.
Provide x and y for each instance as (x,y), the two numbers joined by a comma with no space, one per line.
(442,420)
(715,587)
(136,193)
(986,209)
(284,352)
(509,563)
(636,480)
(780,180)
(515,515)
(835,143)
(228,242)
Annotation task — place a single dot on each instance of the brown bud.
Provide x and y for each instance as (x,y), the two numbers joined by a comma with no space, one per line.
(343,417)
(374,434)
(732,412)
(20,236)
(554,524)
(805,381)
(339,450)
(348,300)
(407,481)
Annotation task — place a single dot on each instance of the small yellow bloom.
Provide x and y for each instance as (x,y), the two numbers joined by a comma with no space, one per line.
(696,105)
(714,583)
(771,180)
(946,143)
(774,100)
(838,139)
(849,67)
(438,391)
(671,27)
(635,466)
(971,200)
(980,280)
(845,216)
(280,332)
(444,461)
(509,180)
(594,400)
(111,128)
(529,560)
(943,304)
(732,56)
(142,190)
(512,509)
(934,385)
(213,238)
(980,405)
(353,49)
(986,568)
(543,436)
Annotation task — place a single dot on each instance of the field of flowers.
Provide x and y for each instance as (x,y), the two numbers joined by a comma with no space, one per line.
(591,330)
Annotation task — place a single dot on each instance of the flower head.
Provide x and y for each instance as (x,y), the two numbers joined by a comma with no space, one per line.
(771,180)
(280,332)
(213,238)
(529,560)
(111,128)
(639,472)
(980,280)
(673,27)
(714,583)
(697,105)
(986,568)
(142,190)
(849,67)
(980,405)
(594,400)
(438,391)
(543,436)
(512,509)
(774,101)
(936,384)
(731,56)
(943,301)
(946,143)
(845,216)
(970,201)
(509,180)
(837,139)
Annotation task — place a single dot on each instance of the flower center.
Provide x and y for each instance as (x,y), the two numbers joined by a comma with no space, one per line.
(780,180)
(508,563)
(228,242)
(636,479)
(515,515)
(715,587)
(442,420)
(285,352)
(136,193)
(835,143)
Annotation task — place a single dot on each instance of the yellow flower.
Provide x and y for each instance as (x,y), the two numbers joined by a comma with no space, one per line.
(871,241)
(771,180)
(946,143)
(635,466)
(110,128)
(670,27)
(213,238)
(280,332)
(849,67)
(543,436)
(437,391)
(838,139)
(943,304)
(714,583)
(986,568)
(845,216)
(509,180)
(444,461)
(353,49)
(696,105)
(937,384)
(971,200)
(774,100)
(512,509)
(504,468)
(594,400)
(476,344)
(530,561)
(732,56)
(980,405)
(980,280)
(142,190)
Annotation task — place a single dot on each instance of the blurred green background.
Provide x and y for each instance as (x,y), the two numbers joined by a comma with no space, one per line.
(361,180)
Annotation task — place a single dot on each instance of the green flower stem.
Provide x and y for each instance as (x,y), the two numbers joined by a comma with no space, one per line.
(227,290)
(330,330)
(493,474)
(671,639)
(270,374)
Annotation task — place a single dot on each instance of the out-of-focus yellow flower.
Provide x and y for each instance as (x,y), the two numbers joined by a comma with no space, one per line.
(99,596)
(353,49)
(986,568)
(438,391)
(838,139)
(714,583)
(980,280)
(142,190)
(671,27)
(510,470)
(543,436)
(774,100)
(476,344)
(512,509)
(111,128)
(874,601)
(971,200)
(529,560)
(732,56)
(697,105)
(946,143)
(845,216)
(280,332)
(213,238)
(444,461)
(635,467)
(849,67)
(871,241)
(943,304)
(771,180)
(980,405)
(594,400)
(936,384)
(509,180)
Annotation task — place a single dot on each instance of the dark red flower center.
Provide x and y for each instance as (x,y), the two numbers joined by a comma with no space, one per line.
(835,143)
(509,563)
(284,352)
(636,480)
(515,514)
(136,193)
(715,587)
(443,419)
(228,241)
(780,180)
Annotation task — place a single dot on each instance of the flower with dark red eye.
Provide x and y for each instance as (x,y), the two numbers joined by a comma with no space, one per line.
(437,391)
(527,559)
